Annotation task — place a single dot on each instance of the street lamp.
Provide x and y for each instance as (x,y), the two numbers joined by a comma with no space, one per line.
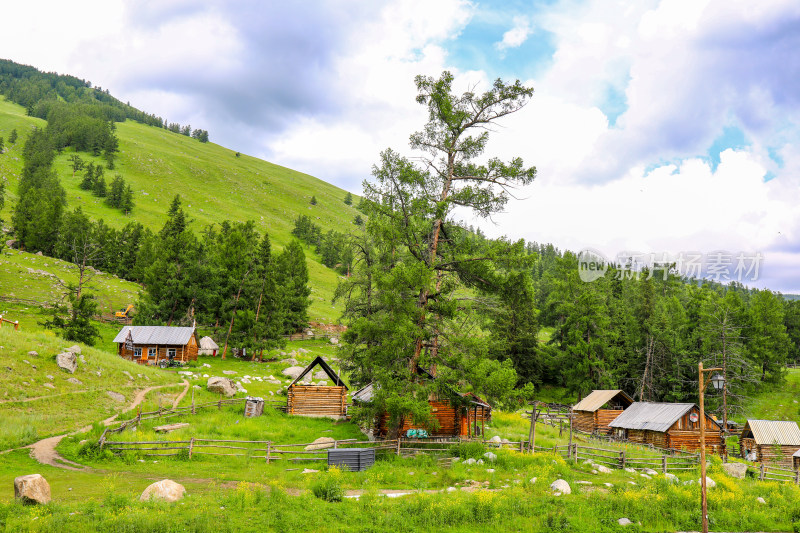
(718,381)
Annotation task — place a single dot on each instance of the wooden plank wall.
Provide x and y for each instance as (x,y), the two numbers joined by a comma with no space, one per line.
(447,416)
(603,417)
(778,455)
(316,400)
(584,421)
(182,353)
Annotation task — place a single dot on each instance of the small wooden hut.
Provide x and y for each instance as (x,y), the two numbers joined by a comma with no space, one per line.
(328,401)
(147,345)
(796,460)
(770,441)
(668,425)
(451,420)
(598,409)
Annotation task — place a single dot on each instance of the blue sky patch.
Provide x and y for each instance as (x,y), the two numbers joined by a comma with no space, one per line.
(731,137)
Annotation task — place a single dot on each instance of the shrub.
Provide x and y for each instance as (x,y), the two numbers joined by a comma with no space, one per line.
(329,487)
(470,450)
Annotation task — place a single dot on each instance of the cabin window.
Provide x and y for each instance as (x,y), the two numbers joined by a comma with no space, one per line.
(137,353)
(151,353)
(171,353)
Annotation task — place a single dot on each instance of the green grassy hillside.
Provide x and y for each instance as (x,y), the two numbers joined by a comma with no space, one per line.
(215,184)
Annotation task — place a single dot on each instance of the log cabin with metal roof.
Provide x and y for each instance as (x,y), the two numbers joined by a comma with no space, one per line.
(325,401)
(668,425)
(598,409)
(147,345)
(770,441)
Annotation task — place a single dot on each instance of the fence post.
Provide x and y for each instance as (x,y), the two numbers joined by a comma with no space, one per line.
(398,446)
(761,472)
(622,459)
(193,411)
(269,446)
(191,445)
(796,473)
(664,464)
(335,444)
(575,448)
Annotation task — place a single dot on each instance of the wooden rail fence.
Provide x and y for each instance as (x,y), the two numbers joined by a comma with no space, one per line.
(623,459)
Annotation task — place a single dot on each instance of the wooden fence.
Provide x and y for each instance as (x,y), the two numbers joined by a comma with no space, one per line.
(624,459)
(14,323)
(768,472)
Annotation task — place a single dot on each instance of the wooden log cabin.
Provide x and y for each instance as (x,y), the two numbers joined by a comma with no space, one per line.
(147,345)
(466,420)
(770,441)
(598,409)
(327,401)
(668,425)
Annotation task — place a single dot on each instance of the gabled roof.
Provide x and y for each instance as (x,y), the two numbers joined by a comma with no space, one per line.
(325,367)
(365,394)
(653,416)
(773,432)
(598,398)
(156,335)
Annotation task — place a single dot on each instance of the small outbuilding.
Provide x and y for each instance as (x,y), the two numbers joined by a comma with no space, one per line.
(208,346)
(667,425)
(796,460)
(328,401)
(465,420)
(598,409)
(770,441)
(147,345)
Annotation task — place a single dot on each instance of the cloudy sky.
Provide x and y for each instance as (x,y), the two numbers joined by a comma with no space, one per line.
(657,125)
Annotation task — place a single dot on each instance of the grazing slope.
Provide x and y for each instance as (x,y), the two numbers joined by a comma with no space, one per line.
(214,183)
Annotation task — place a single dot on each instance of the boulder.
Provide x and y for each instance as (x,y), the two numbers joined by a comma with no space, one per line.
(75,381)
(290,361)
(490,470)
(117,397)
(671,477)
(320,375)
(737,470)
(48,385)
(710,483)
(650,472)
(166,490)
(603,469)
(490,456)
(496,439)
(293,371)
(32,488)
(33,354)
(309,471)
(630,470)
(74,349)
(560,487)
(645,476)
(624,522)
(67,361)
(334,340)
(470,461)
(533,480)
(229,372)
(761,500)
(128,374)
(221,385)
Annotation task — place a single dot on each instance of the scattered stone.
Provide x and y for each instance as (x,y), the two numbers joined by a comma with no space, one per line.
(291,361)
(496,439)
(32,489)
(671,477)
(128,374)
(51,378)
(451,489)
(583,482)
(588,462)
(225,386)
(117,397)
(171,427)
(560,487)
(33,354)
(533,480)
(293,371)
(490,456)
(737,470)
(630,470)
(609,485)
(67,361)
(595,472)
(334,340)
(48,385)
(624,522)
(479,462)
(470,461)
(645,476)
(302,350)
(229,372)
(74,349)
(761,500)
(603,469)
(309,471)
(166,490)
(631,483)
(710,483)
(75,381)
(320,375)
(650,472)
(321,443)
(490,470)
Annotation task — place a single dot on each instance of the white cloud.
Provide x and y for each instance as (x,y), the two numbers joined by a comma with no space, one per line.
(517,35)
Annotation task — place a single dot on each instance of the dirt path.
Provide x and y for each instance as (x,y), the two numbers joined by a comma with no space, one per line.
(44,451)
(35,398)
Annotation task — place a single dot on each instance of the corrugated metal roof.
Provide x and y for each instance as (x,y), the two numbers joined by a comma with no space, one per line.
(774,432)
(598,398)
(653,416)
(796,454)
(364,395)
(156,335)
